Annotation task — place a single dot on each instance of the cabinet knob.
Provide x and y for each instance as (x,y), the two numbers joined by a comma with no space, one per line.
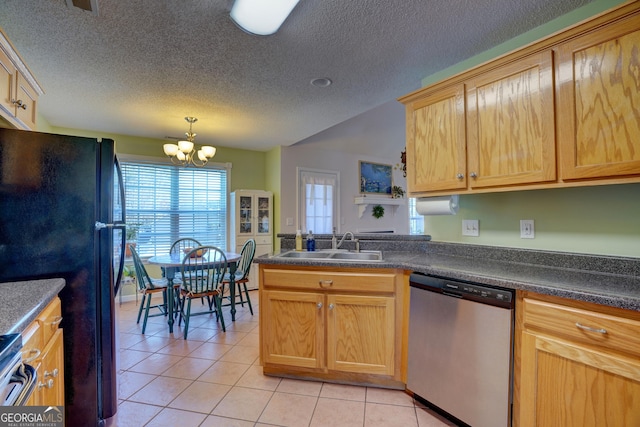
(331,306)
(460,176)
(473,175)
(18,103)
(319,305)
(47,384)
(53,373)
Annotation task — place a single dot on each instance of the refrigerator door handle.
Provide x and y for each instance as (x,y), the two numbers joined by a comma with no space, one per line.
(101,226)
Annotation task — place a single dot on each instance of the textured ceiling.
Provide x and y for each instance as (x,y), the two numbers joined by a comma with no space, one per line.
(141,66)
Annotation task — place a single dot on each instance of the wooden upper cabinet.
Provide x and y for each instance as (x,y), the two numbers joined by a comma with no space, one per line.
(436,141)
(599,97)
(510,124)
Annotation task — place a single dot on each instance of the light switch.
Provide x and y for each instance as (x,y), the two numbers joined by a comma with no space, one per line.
(289,221)
(470,227)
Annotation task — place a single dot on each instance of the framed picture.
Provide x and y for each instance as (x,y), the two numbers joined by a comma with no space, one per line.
(375,178)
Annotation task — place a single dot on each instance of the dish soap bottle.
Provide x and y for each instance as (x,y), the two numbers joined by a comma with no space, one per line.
(311,242)
(299,240)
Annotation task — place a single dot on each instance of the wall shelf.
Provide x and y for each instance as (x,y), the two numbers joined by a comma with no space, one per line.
(364,201)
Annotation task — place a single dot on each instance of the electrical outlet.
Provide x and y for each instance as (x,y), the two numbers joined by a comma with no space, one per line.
(289,221)
(527,230)
(470,227)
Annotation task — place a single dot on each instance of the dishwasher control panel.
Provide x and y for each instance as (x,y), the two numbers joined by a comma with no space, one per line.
(465,290)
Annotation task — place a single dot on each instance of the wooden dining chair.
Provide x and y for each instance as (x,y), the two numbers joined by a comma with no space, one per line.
(241,276)
(148,286)
(201,278)
(183,243)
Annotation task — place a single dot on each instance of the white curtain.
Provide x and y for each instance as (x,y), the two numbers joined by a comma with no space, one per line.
(318,200)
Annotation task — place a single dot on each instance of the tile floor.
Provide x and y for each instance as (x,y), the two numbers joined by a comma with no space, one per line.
(214,379)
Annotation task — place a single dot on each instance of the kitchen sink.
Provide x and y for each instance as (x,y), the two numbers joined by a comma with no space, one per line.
(297,254)
(333,255)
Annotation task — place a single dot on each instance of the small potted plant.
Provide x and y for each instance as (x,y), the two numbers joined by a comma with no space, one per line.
(131,237)
(397,192)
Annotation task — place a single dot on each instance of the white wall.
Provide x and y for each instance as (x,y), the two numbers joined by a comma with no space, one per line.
(376,136)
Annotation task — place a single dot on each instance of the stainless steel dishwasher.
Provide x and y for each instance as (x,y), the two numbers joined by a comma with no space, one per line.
(461,349)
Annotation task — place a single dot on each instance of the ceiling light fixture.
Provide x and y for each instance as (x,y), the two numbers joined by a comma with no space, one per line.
(261,17)
(184,152)
(321,82)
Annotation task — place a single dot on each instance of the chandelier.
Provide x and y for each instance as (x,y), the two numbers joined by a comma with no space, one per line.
(184,153)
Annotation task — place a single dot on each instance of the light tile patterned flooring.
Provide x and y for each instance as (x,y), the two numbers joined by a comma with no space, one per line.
(214,379)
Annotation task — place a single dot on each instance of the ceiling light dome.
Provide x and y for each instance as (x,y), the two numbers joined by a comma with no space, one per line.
(261,17)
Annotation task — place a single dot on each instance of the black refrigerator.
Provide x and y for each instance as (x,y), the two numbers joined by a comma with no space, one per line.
(62,215)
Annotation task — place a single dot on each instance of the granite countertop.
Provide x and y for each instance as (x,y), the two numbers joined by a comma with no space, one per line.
(617,283)
(23,301)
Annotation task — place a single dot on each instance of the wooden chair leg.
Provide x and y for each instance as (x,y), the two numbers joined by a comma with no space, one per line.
(146,314)
(144,296)
(246,292)
(186,319)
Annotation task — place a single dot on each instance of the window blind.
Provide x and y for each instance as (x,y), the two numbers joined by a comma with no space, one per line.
(168,202)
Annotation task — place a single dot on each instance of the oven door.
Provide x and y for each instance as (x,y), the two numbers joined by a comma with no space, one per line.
(21,384)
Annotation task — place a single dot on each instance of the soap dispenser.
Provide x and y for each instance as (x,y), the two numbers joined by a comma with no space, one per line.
(299,240)
(311,242)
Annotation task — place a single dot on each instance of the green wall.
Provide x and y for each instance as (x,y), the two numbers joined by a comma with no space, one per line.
(274,167)
(602,220)
(248,166)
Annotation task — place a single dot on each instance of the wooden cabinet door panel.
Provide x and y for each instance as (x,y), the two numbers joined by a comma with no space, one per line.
(510,123)
(436,142)
(360,334)
(51,383)
(7,83)
(599,96)
(569,385)
(293,331)
(29,98)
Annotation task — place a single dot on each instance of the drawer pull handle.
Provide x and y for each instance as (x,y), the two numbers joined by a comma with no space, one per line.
(324,283)
(56,321)
(35,353)
(590,329)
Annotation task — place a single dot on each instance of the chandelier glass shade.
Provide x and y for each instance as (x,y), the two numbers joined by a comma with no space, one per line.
(184,153)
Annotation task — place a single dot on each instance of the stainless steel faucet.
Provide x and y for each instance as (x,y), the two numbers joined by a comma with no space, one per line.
(353,239)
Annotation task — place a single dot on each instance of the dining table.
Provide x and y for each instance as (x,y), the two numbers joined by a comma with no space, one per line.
(171,263)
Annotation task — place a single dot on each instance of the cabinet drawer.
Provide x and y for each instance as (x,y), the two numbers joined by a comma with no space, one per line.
(613,332)
(32,343)
(334,280)
(50,319)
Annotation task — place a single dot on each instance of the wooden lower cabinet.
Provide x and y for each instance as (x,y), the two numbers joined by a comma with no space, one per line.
(333,332)
(578,365)
(43,349)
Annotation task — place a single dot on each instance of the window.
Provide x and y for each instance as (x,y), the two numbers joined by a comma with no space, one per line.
(318,200)
(416,221)
(168,202)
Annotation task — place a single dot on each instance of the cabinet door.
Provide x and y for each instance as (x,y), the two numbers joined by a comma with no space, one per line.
(599,99)
(361,334)
(436,142)
(293,328)
(51,383)
(245,214)
(7,84)
(564,384)
(264,215)
(510,124)
(26,113)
